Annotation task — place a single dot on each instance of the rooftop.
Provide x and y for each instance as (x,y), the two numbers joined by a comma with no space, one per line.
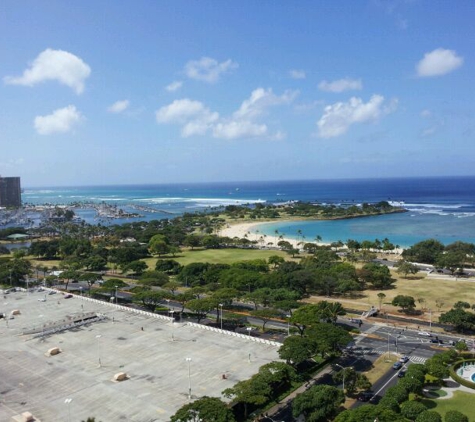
(151,350)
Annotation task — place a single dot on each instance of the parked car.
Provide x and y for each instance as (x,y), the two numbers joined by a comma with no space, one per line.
(52,292)
(365,396)
(397,365)
(68,296)
(424,334)
(404,359)
(401,374)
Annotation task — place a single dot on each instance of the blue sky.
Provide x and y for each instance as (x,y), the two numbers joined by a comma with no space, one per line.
(113,92)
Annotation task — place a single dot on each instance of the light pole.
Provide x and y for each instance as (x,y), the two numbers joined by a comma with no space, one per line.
(68,402)
(288,324)
(221,318)
(99,349)
(116,295)
(344,374)
(249,329)
(189,378)
(11,285)
(173,324)
(430,320)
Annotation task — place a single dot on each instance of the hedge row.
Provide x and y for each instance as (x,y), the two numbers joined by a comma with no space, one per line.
(459,379)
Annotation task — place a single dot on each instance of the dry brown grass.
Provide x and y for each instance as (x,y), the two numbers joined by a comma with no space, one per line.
(380,367)
(432,289)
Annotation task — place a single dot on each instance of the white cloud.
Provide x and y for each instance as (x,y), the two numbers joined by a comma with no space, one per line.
(338,117)
(260,100)
(207,69)
(341,85)
(238,129)
(197,119)
(438,62)
(61,120)
(297,74)
(59,65)
(429,132)
(174,86)
(426,113)
(119,106)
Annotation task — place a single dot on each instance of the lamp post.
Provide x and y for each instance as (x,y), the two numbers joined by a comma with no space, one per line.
(11,285)
(288,324)
(344,374)
(221,317)
(430,320)
(173,324)
(68,402)
(189,378)
(249,329)
(99,349)
(116,295)
(389,355)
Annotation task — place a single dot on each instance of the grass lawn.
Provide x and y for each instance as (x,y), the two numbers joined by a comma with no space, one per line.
(463,402)
(219,256)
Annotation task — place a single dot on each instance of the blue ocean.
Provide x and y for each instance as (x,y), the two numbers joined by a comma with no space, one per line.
(442,208)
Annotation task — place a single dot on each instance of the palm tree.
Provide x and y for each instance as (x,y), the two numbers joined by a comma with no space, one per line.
(318,238)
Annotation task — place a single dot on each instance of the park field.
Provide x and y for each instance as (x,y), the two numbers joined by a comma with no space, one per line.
(461,401)
(219,256)
(432,290)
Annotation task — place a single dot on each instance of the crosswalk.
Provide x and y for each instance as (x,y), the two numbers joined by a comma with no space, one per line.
(370,351)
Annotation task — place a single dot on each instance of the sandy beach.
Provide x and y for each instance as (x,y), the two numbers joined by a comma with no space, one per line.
(251,231)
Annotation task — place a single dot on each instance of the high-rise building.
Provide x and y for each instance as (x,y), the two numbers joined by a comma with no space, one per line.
(10,192)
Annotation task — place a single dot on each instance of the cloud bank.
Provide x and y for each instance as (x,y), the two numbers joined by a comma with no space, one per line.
(197,119)
(59,65)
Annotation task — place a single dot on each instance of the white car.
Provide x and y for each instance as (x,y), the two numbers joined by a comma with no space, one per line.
(424,334)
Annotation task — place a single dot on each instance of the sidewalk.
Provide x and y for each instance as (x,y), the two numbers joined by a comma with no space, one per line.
(285,402)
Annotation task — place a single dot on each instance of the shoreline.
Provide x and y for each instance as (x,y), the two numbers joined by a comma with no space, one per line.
(250,230)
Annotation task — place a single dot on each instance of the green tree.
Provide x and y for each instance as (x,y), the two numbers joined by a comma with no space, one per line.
(207,409)
(137,267)
(252,391)
(381,297)
(411,409)
(376,275)
(319,403)
(201,307)
(297,349)
(330,338)
(455,416)
(150,299)
(429,416)
(158,245)
(192,240)
(168,266)
(426,252)
(406,303)
(265,315)
(451,260)
(354,381)
(404,267)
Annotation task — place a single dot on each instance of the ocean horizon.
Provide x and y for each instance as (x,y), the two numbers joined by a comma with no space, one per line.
(438,207)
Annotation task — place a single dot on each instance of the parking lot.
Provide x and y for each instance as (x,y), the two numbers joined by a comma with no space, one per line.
(161,359)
